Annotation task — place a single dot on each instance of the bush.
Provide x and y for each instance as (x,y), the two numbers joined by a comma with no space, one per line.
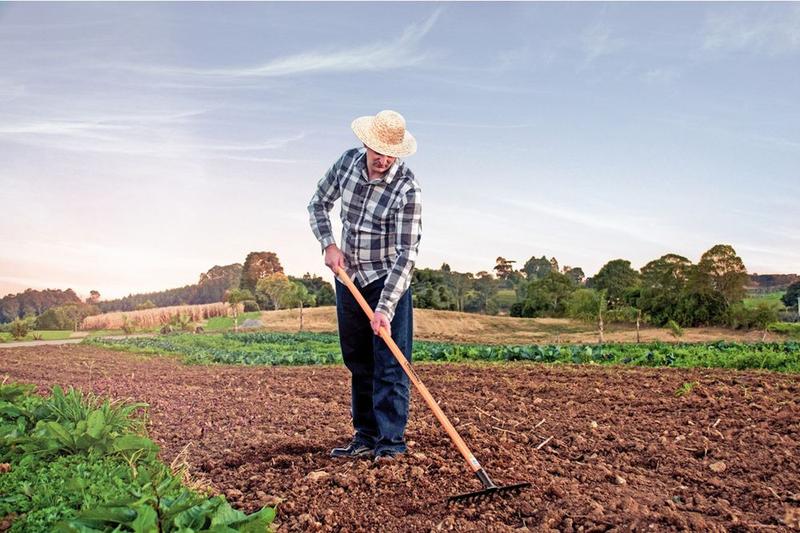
(250,306)
(792,330)
(675,329)
(19,329)
(764,313)
(53,319)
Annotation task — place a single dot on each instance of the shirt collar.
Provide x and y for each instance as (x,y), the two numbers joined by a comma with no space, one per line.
(387,177)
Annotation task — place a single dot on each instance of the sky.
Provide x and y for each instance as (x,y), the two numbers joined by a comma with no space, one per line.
(143,143)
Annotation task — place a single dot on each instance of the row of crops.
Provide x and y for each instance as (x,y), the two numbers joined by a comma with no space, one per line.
(320,348)
(73,463)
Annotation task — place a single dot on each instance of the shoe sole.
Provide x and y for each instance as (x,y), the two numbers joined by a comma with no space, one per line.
(352,455)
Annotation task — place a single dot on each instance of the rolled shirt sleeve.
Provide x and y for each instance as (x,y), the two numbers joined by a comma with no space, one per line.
(408,225)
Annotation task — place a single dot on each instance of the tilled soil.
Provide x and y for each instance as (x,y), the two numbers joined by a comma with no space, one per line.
(606,448)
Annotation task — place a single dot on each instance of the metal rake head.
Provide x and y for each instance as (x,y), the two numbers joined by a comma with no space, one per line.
(488,493)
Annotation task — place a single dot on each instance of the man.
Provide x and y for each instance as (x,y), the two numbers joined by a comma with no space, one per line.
(382,218)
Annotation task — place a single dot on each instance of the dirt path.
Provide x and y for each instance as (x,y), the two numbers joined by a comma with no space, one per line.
(624,452)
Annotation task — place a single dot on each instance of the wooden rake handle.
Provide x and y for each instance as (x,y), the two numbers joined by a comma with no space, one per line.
(423,390)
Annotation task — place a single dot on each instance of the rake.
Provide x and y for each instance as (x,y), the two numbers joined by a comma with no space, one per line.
(490,489)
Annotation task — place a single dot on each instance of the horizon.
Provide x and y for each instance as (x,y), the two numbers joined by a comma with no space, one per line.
(144,143)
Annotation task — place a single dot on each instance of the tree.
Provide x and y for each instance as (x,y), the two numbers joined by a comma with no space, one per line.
(722,270)
(792,294)
(257,266)
(274,287)
(503,267)
(588,305)
(537,268)
(548,296)
(615,277)
(668,272)
(297,296)
(234,297)
(148,304)
(575,274)
(321,290)
(93,298)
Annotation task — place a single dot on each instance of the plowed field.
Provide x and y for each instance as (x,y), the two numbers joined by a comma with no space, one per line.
(607,448)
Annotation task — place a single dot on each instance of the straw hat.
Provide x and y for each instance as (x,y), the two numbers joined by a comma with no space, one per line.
(385,133)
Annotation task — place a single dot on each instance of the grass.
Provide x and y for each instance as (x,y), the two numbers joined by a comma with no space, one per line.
(222,323)
(770,297)
(47,335)
(506,298)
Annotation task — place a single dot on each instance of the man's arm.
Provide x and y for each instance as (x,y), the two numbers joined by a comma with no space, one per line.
(408,224)
(321,203)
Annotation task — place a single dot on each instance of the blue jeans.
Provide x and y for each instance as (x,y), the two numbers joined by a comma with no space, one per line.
(379,385)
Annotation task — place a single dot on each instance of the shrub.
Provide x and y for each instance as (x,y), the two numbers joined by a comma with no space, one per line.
(675,329)
(758,317)
(250,306)
(19,329)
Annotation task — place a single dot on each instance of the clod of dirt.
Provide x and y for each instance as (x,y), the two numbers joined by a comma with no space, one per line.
(619,480)
(792,517)
(718,467)
(317,475)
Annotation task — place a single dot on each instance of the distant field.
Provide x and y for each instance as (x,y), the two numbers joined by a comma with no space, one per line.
(772,297)
(467,327)
(218,323)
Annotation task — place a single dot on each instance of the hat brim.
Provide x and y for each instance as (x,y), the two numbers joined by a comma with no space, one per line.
(362,127)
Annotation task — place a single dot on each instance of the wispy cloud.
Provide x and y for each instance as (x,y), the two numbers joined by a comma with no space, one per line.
(773,31)
(150,134)
(403,51)
(597,41)
(640,228)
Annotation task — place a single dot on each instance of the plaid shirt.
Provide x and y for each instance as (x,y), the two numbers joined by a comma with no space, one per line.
(381,222)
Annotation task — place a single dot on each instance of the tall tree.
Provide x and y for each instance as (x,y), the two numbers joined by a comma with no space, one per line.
(257,266)
(274,287)
(234,298)
(503,267)
(537,268)
(616,277)
(575,274)
(724,271)
(297,296)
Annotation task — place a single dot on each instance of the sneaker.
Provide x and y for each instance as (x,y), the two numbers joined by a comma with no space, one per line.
(353,449)
(385,457)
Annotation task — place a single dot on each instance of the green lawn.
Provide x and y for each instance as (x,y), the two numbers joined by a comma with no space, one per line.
(46,335)
(771,297)
(222,323)
(506,298)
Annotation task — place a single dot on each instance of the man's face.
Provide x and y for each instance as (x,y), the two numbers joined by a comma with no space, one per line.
(378,163)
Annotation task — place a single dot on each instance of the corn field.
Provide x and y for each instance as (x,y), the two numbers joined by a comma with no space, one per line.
(153,318)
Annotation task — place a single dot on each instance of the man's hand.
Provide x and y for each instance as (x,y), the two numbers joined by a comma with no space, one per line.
(380,321)
(334,258)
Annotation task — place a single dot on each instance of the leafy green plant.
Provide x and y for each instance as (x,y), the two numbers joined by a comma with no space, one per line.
(158,502)
(103,476)
(265,348)
(675,329)
(685,388)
